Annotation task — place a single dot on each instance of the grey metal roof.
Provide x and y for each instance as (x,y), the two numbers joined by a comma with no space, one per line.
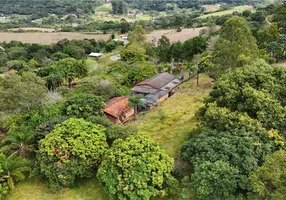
(144,90)
(158,80)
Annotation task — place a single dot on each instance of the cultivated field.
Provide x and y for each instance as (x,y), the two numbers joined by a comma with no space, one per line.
(49,38)
(175,36)
(230,11)
(33,29)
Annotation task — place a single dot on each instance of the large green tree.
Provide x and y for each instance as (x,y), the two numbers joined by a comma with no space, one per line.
(269,180)
(213,154)
(235,45)
(83,106)
(19,93)
(255,94)
(71,68)
(136,168)
(72,150)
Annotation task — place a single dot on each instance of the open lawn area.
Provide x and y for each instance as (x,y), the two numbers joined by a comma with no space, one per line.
(230,11)
(171,123)
(36,189)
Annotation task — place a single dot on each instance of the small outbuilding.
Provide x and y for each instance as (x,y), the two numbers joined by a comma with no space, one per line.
(118,111)
(96,55)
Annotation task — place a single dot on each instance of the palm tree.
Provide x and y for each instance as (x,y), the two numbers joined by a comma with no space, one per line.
(135,102)
(18,143)
(14,169)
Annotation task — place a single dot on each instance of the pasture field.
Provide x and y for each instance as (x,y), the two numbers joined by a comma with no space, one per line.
(26,29)
(49,38)
(211,8)
(230,11)
(175,36)
(170,124)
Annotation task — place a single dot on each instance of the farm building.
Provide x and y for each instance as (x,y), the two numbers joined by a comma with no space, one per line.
(118,111)
(156,89)
(96,55)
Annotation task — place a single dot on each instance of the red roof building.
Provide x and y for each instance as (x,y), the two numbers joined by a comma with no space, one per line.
(118,111)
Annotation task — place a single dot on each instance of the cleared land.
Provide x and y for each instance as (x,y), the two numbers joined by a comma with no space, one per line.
(281,64)
(211,8)
(230,11)
(33,29)
(49,38)
(171,123)
(175,36)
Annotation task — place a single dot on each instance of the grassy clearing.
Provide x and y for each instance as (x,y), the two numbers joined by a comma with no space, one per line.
(108,17)
(171,122)
(230,11)
(104,8)
(36,189)
(211,8)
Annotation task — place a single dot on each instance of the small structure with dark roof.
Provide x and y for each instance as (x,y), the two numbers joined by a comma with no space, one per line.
(118,111)
(156,89)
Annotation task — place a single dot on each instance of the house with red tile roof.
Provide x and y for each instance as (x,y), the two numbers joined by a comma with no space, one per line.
(118,111)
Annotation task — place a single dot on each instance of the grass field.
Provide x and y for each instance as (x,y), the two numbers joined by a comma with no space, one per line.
(36,189)
(49,38)
(230,11)
(175,36)
(211,8)
(107,17)
(171,123)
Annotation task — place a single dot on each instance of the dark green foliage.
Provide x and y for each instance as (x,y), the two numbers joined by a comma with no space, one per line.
(72,150)
(136,168)
(269,180)
(214,180)
(235,46)
(83,106)
(40,9)
(126,73)
(19,93)
(12,169)
(119,7)
(244,151)
(277,49)
(256,95)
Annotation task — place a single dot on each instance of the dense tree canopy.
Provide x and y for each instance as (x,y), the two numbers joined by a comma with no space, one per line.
(256,92)
(19,93)
(83,106)
(268,181)
(72,150)
(136,168)
(235,45)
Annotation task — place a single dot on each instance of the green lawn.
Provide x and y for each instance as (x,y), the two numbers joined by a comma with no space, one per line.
(230,11)
(104,8)
(36,189)
(171,122)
